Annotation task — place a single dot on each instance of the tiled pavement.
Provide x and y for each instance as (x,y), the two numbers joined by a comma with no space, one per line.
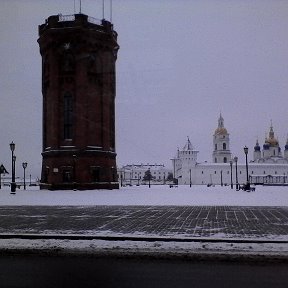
(219,222)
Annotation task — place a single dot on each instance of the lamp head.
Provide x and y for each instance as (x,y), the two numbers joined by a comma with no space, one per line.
(246,150)
(12,146)
(24,165)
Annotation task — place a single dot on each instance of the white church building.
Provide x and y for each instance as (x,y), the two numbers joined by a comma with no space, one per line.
(268,167)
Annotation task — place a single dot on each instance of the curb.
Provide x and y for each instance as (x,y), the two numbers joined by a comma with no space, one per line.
(142,254)
(203,249)
(137,238)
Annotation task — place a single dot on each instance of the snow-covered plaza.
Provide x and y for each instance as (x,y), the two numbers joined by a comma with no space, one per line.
(105,200)
(156,195)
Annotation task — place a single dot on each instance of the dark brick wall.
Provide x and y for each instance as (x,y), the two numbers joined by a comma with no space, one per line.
(78,62)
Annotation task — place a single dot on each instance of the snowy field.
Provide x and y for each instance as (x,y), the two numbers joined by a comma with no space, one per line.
(155,249)
(156,195)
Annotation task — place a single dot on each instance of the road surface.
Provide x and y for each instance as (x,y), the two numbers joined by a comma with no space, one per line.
(86,271)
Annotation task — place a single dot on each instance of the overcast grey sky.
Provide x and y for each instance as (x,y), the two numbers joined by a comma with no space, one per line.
(180,64)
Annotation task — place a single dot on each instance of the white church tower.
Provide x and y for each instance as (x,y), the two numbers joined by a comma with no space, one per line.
(271,146)
(257,151)
(221,143)
(184,163)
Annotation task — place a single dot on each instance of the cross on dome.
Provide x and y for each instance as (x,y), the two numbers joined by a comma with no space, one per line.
(221,130)
(271,140)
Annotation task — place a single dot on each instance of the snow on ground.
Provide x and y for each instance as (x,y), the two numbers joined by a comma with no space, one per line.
(156,195)
(157,248)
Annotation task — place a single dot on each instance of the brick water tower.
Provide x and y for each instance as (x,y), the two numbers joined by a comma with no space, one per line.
(78,86)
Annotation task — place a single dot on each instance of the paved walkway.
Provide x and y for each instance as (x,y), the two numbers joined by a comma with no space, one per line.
(252,223)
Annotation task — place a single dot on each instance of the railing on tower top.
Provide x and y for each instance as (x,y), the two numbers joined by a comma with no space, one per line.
(64,18)
(94,20)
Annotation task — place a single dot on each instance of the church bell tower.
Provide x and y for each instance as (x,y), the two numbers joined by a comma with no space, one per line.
(78,86)
(221,142)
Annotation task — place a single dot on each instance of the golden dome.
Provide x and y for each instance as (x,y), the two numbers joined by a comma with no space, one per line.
(221,131)
(272,141)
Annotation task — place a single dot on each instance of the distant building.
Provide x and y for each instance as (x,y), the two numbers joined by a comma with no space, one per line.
(78,86)
(268,167)
(3,169)
(221,143)
(271,152)
(183,163)
(133,174)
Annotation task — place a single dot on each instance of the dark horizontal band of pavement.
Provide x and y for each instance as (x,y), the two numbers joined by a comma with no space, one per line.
(136,238)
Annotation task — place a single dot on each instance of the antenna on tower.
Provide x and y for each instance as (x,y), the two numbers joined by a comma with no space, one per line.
(74,7)
(80,6)
(103,9)
(111,11)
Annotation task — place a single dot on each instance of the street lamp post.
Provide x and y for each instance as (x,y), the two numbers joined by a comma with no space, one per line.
(237,183)
(174,179)
(121,178)
(13,158)
(231,176)
(74,171)
(247,186)
(14,167)
(150,176)
(24,165)
(138,179)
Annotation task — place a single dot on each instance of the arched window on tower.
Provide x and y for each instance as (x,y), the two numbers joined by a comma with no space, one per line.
(225,160)
(67,62)
(67,175)
(68,116)
(224,146)
(215,146)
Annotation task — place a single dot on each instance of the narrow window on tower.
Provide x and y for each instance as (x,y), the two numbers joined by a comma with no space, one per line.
(68,116)
(67,62)
(112,126)
(67,176)
(95,173)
